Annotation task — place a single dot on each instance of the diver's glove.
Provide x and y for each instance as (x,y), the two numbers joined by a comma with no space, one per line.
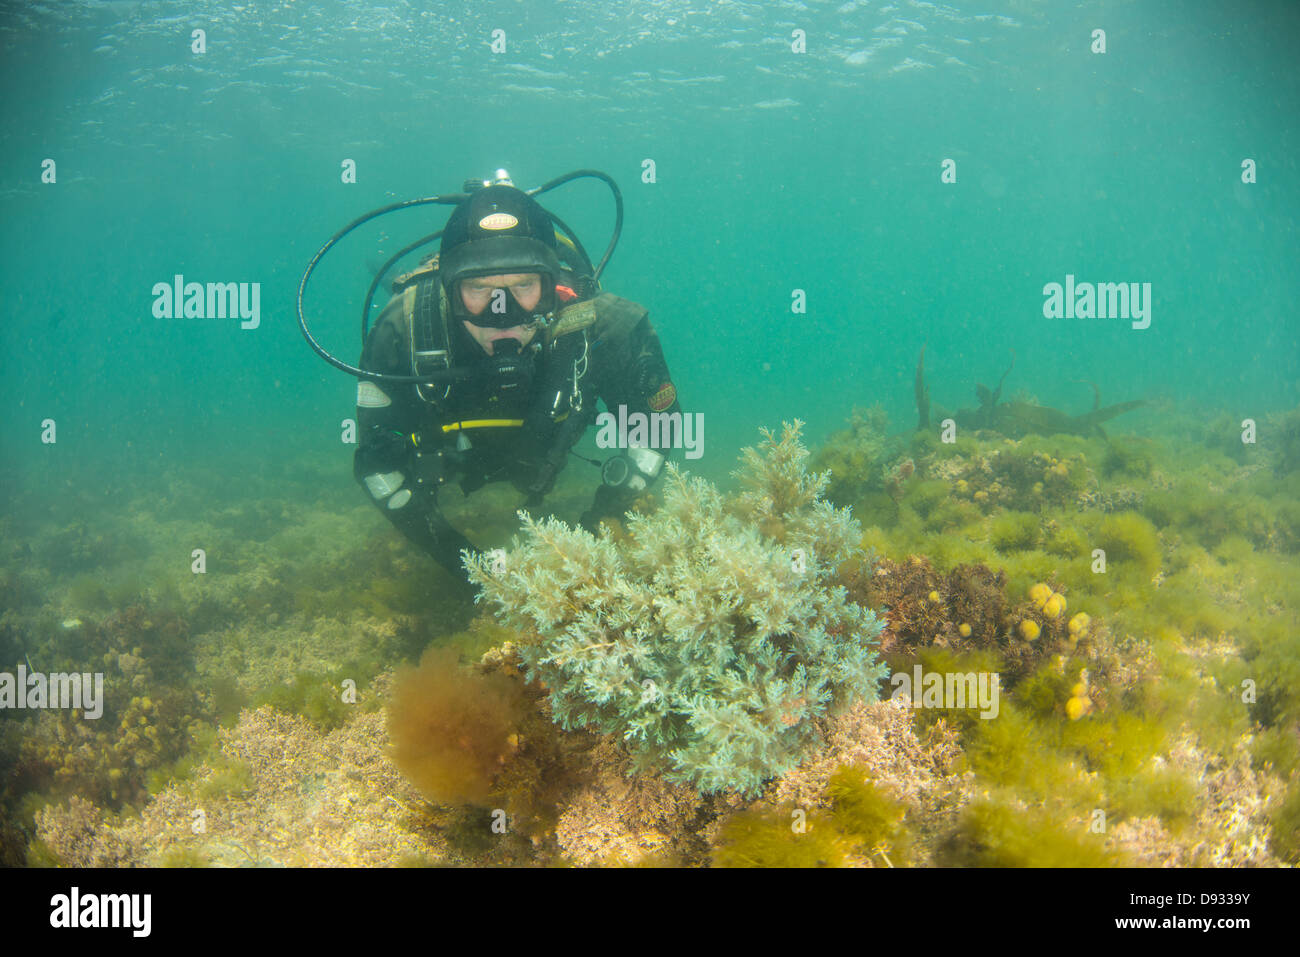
(545,467)
(609,502)
(539,477)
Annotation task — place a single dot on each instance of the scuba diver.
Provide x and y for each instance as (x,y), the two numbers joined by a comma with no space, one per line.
(486,364)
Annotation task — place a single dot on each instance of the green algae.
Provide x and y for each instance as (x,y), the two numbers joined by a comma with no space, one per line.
(1286,826)
(1132,545)
(1014,531)
(40,854)
(1199,554)
(1129,456)
(1019,754)
(1117,745)
(184,857)
(1154,792)
(868,820)
(780,838)
(1201,567)
(861,823)
(229,778)
(996,835)
(203,746)
(1065,541)
(925,496)
(326,699)
(952,515)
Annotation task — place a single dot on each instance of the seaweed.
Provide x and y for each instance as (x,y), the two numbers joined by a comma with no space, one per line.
(710,637)
(454,729)
(996,835)
(780,838)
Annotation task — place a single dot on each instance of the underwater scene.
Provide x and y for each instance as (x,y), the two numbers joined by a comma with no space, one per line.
(691,433)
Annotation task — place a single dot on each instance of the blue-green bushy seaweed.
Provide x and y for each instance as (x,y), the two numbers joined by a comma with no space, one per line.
(709,636)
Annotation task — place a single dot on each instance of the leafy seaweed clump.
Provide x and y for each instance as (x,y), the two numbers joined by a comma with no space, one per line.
(710,636)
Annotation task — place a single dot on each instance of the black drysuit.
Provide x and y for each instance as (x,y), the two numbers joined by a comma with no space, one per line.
(407,444)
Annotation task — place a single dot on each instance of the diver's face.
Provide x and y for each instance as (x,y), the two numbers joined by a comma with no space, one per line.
(476,294)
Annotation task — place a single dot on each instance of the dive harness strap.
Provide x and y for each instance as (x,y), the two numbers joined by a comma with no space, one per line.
(429,336)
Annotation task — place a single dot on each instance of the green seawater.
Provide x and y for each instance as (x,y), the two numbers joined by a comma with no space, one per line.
(814,192)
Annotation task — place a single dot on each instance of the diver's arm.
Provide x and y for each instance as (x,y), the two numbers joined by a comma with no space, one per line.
(399,479)
(636,376)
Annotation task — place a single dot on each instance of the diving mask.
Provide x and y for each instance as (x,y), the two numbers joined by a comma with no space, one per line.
(503,310)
